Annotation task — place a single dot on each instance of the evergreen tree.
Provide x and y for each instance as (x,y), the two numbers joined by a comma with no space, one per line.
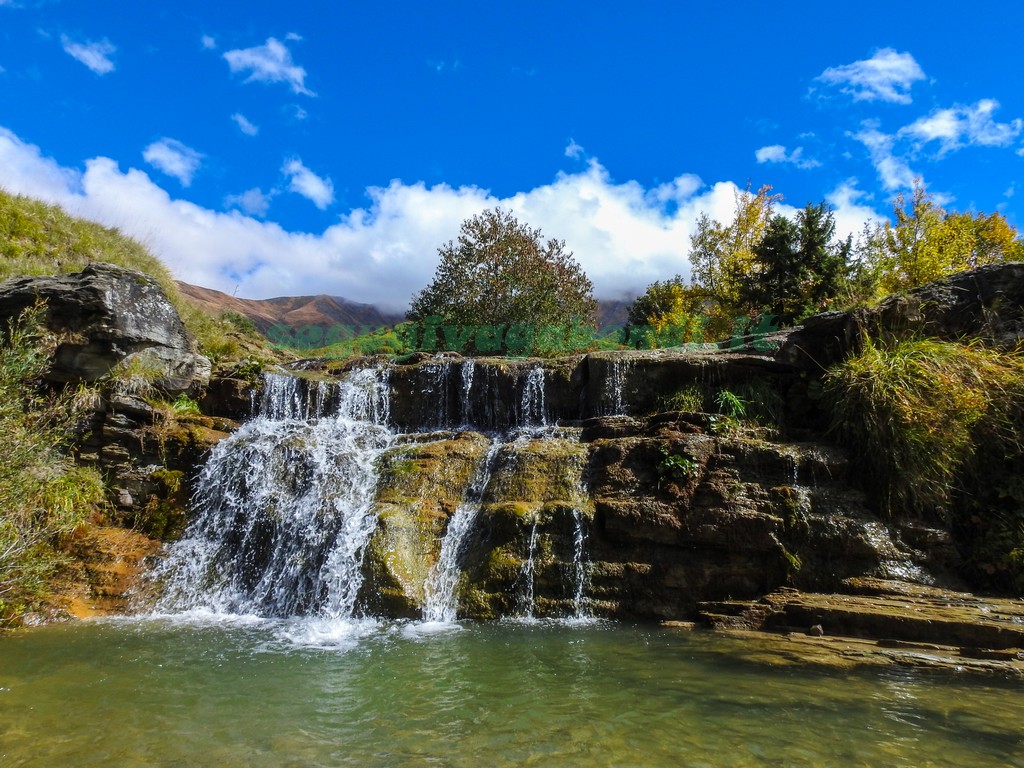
(796,269)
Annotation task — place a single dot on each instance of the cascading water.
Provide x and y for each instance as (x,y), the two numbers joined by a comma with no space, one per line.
(579,566)
(441,604)
(289,505)
(532,408)
(612,400)
(468,369)
(526,602)
(285,505)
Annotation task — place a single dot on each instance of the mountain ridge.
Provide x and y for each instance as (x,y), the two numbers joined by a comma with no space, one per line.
(324,311)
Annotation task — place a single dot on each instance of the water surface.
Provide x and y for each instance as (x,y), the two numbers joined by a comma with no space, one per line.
(213,691)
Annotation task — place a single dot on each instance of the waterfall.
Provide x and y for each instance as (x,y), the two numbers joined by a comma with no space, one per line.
(441,603)
(436,389)
(579,566)
(529,565)
(532,408)
(291,515)
(612,401)
(284,507)
(468,369)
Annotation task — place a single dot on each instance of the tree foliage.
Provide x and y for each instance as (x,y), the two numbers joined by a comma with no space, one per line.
(797,268)
(500,272)
(669,313)
(924,243)
(721,254)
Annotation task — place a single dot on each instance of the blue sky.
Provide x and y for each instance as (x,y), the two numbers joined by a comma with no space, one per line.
(270,149)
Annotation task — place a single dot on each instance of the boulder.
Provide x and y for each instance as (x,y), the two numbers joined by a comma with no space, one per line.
(107,317)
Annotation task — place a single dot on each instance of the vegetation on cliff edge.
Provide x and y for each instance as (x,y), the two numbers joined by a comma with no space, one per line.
(44,495)
(938,428)
(41,239)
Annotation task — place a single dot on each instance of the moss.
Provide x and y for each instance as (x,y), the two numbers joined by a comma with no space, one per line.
(539,471)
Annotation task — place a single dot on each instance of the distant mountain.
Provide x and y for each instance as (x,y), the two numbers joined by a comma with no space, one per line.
(612,312)
(295,312)
(326,312)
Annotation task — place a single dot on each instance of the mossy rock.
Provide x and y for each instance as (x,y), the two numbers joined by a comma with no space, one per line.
(539,471)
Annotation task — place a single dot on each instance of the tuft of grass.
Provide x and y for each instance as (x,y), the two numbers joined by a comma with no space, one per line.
(730,404)
(688,398)
(938,429)
(913,409)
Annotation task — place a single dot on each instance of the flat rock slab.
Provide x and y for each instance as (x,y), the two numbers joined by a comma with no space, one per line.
(797,648)
(881,623)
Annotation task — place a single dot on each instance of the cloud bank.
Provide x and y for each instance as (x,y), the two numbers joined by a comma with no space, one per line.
(623,234)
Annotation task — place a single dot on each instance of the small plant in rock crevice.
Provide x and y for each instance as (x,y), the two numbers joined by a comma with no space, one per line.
(677,466)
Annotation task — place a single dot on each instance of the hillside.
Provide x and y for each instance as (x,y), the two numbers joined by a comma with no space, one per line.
(327,311)
(293,311)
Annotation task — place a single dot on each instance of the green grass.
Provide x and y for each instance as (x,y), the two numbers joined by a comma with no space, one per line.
(44,496)
(913,409)
(41,239)
(937,429)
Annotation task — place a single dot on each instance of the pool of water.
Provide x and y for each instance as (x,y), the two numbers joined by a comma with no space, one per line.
(211,691)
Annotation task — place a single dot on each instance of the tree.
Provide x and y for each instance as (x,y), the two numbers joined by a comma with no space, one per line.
(501,273)
(669,313)
(797,269)
(924,243)
(722,255)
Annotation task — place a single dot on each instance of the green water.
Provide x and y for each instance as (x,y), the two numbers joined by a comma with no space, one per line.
(250,693)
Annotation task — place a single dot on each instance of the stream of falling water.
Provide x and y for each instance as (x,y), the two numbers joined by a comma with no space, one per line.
(526,606)
(579,565)
(612,398)
(284,506)
(532,409)
(441,603)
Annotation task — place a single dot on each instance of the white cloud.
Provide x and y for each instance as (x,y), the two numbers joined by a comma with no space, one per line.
(893,170)
(959,126)
(244,125)
(269,63)
(624,235)
(574,150)
(302,181)
(293,36)
(886,76)
(207,42)
(95,55)
(173,158)
(254,201)
(776,153)
(849,212)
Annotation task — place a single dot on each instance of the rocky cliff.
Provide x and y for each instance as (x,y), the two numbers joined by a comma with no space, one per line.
(670,484)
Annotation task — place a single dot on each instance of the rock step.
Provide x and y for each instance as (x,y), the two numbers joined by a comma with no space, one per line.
(734,614)
(909,613)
